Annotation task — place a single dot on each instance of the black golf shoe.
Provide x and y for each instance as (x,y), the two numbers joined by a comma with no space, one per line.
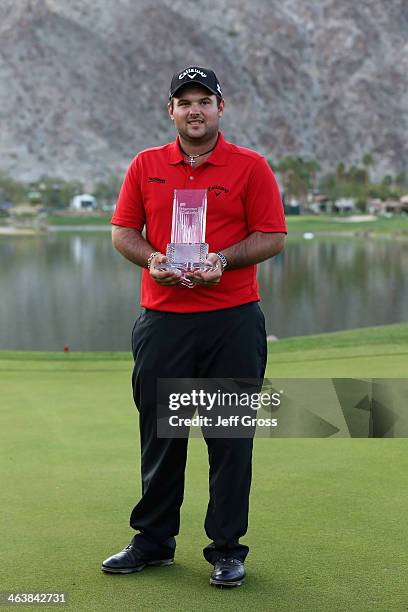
(228,573)
(130,560)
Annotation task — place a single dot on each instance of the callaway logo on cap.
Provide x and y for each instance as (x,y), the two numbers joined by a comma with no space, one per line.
(194,74)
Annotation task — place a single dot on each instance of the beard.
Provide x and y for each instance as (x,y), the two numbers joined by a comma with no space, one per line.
(201,137)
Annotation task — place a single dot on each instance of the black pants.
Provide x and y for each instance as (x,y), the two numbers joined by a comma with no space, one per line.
(228,343)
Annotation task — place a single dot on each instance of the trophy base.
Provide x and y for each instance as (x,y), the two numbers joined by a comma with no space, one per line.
(186,258)
(186,267)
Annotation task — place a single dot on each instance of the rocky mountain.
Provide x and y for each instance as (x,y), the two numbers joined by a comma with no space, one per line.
(83,83)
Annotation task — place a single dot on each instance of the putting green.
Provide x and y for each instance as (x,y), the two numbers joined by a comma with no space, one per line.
(395,226)
(327,528)
(371,352)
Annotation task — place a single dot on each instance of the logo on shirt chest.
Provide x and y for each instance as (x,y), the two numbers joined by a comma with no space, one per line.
(155,179)
(218,190)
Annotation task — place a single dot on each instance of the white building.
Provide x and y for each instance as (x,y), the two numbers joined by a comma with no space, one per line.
(343,205)
(83,201)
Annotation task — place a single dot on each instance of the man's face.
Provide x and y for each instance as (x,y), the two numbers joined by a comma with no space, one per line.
(195,113)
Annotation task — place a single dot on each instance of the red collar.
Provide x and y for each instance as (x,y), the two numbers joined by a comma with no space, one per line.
(218,157)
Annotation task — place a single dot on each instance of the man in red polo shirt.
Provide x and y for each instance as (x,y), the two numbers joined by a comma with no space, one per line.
(215,330)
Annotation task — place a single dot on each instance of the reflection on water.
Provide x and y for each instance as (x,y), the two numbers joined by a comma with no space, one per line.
(76,290)
(330,285)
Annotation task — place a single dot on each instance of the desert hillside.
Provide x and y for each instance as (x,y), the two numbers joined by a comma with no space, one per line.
(83,83)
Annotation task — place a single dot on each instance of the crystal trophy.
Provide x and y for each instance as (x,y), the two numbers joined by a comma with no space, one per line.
(188,250)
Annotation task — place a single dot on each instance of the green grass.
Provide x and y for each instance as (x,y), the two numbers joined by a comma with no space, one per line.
(367,352)
(373,352)
(396,225)
(327,527)
(79,220)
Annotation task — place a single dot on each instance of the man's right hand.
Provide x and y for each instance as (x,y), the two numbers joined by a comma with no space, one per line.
(163,277)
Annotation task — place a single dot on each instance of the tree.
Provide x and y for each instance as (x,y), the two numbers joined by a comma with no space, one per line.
(368,161)
(11,190)
(401,180)
(387,180)
(298,175)
(340,171)
(358,175)
(57,193)
(106,192)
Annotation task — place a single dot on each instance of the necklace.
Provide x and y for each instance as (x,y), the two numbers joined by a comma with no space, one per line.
(192,158)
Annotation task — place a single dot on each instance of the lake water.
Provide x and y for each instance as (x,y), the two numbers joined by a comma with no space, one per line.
(74,289)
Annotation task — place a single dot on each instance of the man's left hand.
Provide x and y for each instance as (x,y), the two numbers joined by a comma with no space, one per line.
(207,279)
